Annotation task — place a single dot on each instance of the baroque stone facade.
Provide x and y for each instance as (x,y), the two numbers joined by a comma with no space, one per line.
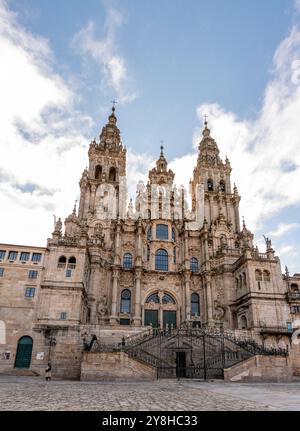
(115,269)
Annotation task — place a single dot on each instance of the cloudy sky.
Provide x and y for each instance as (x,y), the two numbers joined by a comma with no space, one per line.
(167,63)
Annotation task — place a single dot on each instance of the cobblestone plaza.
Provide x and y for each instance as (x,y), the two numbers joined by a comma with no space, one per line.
(33,393)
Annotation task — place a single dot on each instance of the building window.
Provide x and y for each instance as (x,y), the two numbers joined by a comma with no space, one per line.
(125,301)
(266,275)
(72,262)
(124,321)
(68,273)
(162,231)
(36,257)
(2,254)
(32,274)
(194,264)
(167,299)
(1,272)
(173,235)
(62,261)
(149,233)
(295,309)
(174,255)
(195,304)
(294,287)
(153,298)
(148,253)
(24,255)
(222,186)
(127,261)
(161,260)
(112,174)
(29,292)
(98,172)
(12,255)
(258,275)
(63,316)
(210,185)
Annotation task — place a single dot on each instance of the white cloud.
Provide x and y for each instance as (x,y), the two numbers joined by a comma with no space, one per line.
(264,153)
(297,5)
(283,228)
(43,137)
(105,53)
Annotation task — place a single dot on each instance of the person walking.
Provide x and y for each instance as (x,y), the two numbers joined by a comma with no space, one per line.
(48,372)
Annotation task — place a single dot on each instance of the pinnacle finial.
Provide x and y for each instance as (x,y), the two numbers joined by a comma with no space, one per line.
(75,209)
(114,102)
(205,121)
(161,148)
(244,224)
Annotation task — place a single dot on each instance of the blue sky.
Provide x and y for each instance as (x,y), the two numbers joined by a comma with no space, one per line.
(166,62)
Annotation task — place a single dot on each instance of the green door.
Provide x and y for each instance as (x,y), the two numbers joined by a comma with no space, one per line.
(169,318)
(151,318)
(24,350)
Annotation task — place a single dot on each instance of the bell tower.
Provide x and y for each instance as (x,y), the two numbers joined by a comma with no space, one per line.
(104,180)
(214,175)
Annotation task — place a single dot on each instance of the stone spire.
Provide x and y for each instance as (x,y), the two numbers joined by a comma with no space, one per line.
(110,135)
(160,174)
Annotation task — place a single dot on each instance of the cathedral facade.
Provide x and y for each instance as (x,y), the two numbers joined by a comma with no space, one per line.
(116,269)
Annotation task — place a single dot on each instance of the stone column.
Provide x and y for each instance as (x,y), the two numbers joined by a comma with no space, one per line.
(209,303)
(137,319)
(187,296)
(113,320)
(93,286)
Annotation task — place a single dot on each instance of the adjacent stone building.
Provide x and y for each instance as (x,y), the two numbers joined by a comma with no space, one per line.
(116,269)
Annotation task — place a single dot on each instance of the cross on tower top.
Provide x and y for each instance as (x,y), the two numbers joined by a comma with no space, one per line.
(114,102)
(205,120)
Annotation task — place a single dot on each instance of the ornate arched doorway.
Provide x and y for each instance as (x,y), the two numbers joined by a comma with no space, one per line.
(24,351)
(160,310)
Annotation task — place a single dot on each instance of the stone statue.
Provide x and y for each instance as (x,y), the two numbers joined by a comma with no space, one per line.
(220,311)
(58,226)
(268,242)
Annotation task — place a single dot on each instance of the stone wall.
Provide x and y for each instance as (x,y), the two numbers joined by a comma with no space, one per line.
(114,366)
(261,369)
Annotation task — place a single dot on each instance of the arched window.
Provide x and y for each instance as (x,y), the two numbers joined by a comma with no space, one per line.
(294,287)
(153,298)
(112,174)
(194,265)
(173,235)
(174,255)
(266,275)
(62,261)
(258,275)
(149,214)
(222,186)
(210,185)
(243,322)
(98,172)
(241,281)
(168,299)
(195,304)
(162,231)
(149,233)
(161,260)
(125,301)
(72,262)
(127,261)
(24,351)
